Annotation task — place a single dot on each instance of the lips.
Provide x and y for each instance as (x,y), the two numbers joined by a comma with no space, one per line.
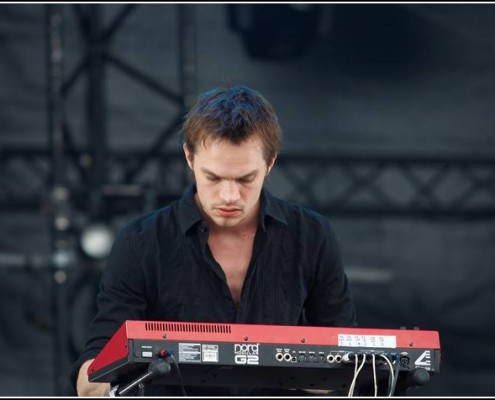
(227,211)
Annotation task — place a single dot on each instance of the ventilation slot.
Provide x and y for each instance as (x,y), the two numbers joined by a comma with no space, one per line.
(180,327)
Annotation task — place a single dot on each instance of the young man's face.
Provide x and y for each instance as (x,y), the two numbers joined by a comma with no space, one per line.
(229,178)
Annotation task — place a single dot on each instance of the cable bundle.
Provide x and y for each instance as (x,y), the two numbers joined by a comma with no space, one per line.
(358,366)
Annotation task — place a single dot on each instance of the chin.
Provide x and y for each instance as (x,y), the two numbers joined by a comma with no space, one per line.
(226,222)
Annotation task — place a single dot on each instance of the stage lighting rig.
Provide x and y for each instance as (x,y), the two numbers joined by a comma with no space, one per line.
(275,31)
(96,240)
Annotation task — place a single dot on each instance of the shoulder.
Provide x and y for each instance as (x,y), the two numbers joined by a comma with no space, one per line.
(299,216)
(152,223)
(308,230)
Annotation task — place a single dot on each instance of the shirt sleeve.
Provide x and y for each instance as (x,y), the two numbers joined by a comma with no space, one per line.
(122,296)
(330,301)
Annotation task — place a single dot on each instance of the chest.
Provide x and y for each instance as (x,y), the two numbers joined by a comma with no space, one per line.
(233,254)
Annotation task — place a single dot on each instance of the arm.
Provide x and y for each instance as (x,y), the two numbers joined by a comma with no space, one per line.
(121,297)
(330,301)
(87,388)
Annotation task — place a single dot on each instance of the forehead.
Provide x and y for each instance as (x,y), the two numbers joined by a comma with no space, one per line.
(225,158)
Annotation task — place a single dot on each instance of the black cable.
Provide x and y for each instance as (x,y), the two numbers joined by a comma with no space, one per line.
(157,367)
(396,376)
(181,382)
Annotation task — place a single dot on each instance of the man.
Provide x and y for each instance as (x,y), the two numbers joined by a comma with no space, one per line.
(228,250)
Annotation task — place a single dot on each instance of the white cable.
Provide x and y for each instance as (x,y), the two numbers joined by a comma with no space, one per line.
(360,368)
(356,373)
(353,383)
(391,372)
(374,374)
(351,386)
(356,365)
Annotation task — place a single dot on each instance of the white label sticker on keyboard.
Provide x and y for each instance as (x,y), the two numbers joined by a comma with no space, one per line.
(383,341)
(210,352)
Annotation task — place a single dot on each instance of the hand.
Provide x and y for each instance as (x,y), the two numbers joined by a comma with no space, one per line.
(87,388)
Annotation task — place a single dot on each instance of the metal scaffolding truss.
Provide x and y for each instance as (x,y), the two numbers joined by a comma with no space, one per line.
(393,185)
(338,185)
(343,184)
(63,180)
(92,164)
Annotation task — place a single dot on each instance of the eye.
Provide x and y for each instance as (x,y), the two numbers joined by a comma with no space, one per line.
(248,179)
(212,178)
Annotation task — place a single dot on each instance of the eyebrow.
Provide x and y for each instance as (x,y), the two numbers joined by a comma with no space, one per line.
(248,175)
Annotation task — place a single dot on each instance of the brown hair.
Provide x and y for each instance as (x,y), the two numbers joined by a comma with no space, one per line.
(235,114)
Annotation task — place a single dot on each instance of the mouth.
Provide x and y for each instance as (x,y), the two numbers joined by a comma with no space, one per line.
(226,212)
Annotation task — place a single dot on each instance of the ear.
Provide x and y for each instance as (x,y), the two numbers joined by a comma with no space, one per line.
(271,163)
(189,156)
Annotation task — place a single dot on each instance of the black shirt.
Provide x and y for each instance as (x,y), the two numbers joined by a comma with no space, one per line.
(161,268)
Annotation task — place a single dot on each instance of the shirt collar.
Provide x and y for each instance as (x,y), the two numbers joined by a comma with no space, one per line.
(190,215)
(270,207)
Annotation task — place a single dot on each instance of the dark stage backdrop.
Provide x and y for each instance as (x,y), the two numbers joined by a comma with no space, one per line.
(396,79)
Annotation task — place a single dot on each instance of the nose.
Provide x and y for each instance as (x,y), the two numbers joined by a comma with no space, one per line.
(229,192)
